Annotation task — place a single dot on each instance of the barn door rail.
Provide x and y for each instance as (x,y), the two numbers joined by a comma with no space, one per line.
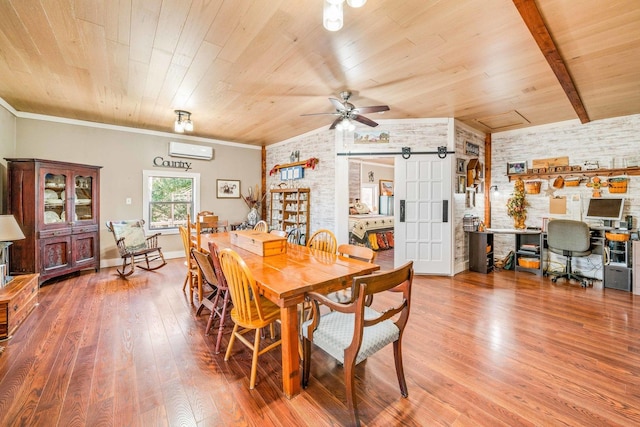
(405,153)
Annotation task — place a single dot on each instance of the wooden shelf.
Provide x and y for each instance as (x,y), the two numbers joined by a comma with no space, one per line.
(633,171)
(302,163)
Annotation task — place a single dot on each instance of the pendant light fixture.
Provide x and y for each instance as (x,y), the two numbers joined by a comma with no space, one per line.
(332,15)
(183,122)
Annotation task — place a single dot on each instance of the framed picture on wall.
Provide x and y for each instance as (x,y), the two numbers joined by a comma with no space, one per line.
(514,168)
(460,166)
(462,184)
(227,189)
(386,188)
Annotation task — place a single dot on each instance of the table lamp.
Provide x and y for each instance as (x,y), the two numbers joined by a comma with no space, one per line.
(9,231)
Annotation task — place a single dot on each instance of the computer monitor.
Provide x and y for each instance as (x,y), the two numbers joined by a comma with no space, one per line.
(605,208)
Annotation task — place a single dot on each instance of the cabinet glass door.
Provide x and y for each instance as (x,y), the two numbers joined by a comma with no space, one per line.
(84,198)
(54,198)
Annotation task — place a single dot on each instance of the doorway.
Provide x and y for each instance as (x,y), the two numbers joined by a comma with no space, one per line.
(371,210)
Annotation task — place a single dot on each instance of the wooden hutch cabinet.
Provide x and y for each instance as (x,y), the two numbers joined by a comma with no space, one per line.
(57,205)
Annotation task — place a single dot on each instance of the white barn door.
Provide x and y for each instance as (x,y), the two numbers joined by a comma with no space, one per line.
(423,208)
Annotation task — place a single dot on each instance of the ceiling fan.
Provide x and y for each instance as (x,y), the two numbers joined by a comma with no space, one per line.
(346,112)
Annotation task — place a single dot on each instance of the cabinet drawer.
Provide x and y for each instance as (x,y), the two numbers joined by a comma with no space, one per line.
(45,234)
(78,229)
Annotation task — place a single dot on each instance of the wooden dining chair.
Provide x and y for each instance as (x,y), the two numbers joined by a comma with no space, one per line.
(191,277)
(194,232)
(279,233)
(351,251)
(352,332)
(212,274)
(296,236)
(261,226)
(251,311)
(218,226)
(207,221)
(323,240)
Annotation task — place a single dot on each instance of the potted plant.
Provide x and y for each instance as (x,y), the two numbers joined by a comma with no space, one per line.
(517,205)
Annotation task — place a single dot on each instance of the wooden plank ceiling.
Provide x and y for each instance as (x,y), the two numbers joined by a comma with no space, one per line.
(247,69)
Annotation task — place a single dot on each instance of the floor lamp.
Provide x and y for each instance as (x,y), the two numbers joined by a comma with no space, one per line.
(9,231)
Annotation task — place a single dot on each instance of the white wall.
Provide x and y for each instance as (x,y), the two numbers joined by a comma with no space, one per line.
(7,145)
(123,155)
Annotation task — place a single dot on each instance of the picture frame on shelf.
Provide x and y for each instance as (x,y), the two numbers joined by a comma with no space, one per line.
(462,184)
(386,187)
(460,166)
(227,189)
(516,168)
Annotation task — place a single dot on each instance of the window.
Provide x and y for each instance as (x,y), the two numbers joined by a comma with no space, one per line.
(369,196)
(168,198)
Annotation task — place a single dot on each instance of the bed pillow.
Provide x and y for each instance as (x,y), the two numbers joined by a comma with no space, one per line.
(362,208)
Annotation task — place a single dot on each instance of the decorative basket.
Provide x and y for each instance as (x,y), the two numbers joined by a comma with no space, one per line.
(616,237)
(617,185)
(532,187)
(529,262)
(571,182)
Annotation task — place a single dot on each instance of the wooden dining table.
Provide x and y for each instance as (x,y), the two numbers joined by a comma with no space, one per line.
(285,279)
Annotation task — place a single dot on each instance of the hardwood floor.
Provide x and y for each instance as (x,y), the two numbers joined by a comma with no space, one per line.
(497,349)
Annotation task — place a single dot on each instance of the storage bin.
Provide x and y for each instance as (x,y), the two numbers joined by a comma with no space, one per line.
(529,262)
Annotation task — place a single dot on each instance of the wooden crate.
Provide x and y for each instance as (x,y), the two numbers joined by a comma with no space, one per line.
(551,162)
(259,243)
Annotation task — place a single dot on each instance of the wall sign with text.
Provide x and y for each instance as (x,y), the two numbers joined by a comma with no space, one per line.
(471,149)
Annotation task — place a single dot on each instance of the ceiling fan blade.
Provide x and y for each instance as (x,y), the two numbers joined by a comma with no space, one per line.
(364,120)
(372,109)
(335,123)
(321,114)
(337,103)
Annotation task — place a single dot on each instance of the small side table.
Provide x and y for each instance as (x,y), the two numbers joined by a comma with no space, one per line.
(17,299)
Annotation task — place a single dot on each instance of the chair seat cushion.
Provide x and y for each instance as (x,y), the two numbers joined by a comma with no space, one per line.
(133,233)
(335,332)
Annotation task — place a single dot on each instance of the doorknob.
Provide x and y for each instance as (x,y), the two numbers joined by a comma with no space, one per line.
(401,210)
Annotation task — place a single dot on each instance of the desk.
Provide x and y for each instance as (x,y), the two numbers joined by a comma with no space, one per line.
(284,279)
(525,237)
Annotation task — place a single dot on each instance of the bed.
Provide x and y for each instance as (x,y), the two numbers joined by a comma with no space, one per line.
(363,225)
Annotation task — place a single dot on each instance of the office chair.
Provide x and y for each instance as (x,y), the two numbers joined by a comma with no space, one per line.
(569,238)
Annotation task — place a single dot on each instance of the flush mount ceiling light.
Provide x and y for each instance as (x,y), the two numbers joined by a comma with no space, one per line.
(332,16)
(183,122)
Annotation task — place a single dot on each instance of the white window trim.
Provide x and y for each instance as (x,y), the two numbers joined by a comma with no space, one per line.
(146,194)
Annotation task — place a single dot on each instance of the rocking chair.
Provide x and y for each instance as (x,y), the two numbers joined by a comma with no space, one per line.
(135,248)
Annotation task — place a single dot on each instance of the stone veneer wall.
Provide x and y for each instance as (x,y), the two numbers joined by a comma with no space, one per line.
(609,141)
(462,135)
(321,181)
(354,180)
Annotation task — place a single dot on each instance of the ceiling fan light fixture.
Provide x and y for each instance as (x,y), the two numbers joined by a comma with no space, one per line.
(346,125)
(183,122)
(332,16)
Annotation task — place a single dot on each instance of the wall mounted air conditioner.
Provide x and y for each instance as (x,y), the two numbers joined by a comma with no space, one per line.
(180,149)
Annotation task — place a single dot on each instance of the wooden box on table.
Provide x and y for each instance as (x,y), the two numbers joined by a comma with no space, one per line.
(17,299)
(259,243)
